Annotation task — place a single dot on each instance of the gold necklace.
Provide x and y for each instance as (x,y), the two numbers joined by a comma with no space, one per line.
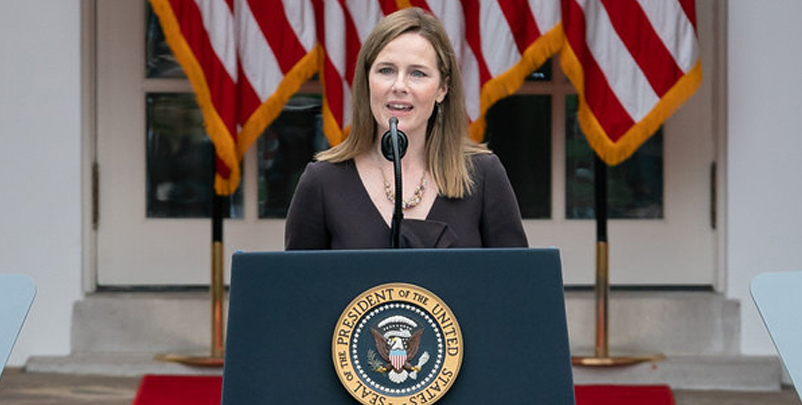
(417,195)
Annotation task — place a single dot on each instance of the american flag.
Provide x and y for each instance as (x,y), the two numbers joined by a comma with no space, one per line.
(633,62)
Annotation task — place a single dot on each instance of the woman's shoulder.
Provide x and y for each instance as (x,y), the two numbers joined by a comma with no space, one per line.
(487,167)
(482,162)
(319,175)
(327,170)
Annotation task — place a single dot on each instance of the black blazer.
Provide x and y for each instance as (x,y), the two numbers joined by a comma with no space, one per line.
(332,210)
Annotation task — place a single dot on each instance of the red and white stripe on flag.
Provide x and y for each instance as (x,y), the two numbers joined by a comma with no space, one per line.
(245,59)
(342,26)
(633,63)
(497,42)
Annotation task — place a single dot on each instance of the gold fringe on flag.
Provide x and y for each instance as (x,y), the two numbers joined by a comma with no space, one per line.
(613,153)
(271,108)
(510,81)
(221,137)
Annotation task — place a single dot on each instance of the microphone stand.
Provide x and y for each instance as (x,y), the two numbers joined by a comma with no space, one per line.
(394,146)
(398,213)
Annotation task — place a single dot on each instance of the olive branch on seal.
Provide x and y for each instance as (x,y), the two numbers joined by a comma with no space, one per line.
(374,363)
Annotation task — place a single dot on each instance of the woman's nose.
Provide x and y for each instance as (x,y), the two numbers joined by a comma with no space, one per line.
(400,84)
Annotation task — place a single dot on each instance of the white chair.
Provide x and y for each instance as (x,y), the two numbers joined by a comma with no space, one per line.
(778,297)
(16,296)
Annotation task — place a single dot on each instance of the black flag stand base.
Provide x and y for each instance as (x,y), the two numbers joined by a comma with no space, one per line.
(602,357)
(215,358)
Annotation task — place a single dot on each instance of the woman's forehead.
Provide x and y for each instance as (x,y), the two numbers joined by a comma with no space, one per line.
(408,48)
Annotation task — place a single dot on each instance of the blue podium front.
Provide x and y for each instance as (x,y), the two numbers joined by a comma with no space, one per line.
(301,323)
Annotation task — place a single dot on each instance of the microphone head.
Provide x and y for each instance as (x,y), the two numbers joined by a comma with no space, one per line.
(387,141)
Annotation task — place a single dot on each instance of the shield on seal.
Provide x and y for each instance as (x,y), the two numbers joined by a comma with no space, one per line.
(398,358)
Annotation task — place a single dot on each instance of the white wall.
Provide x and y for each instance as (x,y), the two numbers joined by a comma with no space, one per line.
(40,158)
(764,151)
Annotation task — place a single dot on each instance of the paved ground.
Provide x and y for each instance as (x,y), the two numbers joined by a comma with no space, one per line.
(20,388)
(785,397)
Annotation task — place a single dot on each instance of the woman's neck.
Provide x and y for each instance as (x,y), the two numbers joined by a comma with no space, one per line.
(415,156)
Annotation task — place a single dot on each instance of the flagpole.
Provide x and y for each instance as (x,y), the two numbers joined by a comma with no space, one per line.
(219,202)
(216,288)
(601,355)
(602,348)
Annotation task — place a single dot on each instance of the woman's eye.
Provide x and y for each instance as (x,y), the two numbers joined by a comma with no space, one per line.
(418,73)
(385,71)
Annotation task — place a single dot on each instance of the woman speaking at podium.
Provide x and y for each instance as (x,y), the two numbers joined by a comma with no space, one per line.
(456,192)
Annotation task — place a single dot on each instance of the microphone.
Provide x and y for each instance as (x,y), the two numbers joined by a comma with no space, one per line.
(387,141)
(394,146)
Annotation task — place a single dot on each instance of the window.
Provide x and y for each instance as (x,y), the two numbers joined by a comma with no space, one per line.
(634,187)
(284,149)
(519,132)
(180,154)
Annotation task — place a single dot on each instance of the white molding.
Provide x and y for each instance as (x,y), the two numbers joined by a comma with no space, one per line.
(88,143)
(719,77)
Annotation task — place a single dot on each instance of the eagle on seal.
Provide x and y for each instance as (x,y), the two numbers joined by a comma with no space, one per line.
(396,355)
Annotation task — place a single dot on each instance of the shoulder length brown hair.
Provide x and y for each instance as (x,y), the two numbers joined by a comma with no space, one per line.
(448,148)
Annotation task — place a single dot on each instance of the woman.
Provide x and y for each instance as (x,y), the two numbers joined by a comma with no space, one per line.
(457,193)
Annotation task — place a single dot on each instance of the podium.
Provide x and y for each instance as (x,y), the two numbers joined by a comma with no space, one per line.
(776,295)
(16,296)
(286,307)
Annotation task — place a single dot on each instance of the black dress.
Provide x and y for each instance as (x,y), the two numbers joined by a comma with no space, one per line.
(332,210)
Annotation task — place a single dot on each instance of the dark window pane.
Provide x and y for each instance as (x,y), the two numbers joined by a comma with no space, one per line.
(284,150)
(519,132)
(180,160)
(634,187)
(159,59)
(542,74)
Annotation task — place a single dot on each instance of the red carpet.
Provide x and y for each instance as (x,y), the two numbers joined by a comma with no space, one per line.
(179,390)
(205,390)
(623,395)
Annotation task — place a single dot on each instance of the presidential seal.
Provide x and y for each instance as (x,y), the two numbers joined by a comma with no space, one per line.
(397,344)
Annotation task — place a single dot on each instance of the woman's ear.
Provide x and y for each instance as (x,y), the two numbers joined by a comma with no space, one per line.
(443,90)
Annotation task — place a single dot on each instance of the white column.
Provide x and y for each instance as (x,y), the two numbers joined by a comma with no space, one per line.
(40,164)
(764,157)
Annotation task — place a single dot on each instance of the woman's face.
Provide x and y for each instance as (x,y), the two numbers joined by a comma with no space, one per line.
(405,82)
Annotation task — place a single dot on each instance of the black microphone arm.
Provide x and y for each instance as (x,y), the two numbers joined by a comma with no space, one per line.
(394,147)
